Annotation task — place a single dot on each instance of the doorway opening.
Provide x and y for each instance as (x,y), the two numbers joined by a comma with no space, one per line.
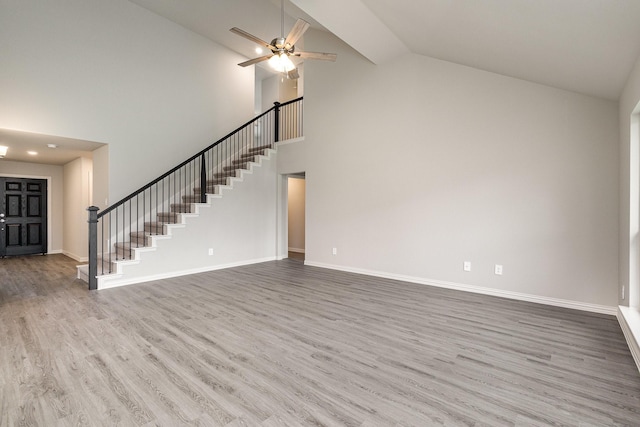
(296,203)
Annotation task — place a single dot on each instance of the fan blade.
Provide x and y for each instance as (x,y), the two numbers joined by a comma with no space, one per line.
(251,37)
(317,55)
(254,61)
(296,32)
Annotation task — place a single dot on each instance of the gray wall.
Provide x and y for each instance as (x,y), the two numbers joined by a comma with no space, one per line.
(418,165)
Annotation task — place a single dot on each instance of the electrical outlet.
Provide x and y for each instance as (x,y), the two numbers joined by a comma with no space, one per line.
(210,251)
(623,292)
(498,269)
(335,251)
(466,266)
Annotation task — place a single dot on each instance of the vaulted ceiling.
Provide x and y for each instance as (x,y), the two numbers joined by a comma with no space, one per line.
(586,46)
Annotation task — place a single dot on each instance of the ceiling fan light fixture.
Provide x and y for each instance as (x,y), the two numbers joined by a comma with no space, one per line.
(281,63)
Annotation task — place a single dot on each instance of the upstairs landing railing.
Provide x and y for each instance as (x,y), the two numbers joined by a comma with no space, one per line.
(115,231)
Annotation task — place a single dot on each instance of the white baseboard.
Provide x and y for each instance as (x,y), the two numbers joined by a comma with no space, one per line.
(120,281)
(576,305)
(296,250)
(55,251)
(290,141)
(629,319)
(74,256)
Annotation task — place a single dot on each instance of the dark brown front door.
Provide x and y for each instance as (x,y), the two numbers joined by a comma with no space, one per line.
(23,216)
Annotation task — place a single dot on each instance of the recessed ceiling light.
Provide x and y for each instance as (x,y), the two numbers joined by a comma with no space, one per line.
(32,153)
(52,146)
(3,151)
(258,50)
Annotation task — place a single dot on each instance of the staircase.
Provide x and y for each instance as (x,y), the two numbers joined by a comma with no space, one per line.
(112,266)
(143,237)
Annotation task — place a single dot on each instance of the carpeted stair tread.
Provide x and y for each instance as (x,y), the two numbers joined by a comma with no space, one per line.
(243,165)
(129,244)
(168,217)
(226,174)
(217,181)
(181,207)
(113,257)
(246,158)
(140,238)
(154,227)
(195,198)
(254,150)
(210,190)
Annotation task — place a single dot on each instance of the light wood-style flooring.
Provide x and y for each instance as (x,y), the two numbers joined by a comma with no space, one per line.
(283,344)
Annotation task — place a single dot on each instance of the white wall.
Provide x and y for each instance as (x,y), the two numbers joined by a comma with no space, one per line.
(100,166)
(296,198)
(113,72)
(270,92)
(629,192)
(414,166)
(77,188)
(277,88)
(55,177)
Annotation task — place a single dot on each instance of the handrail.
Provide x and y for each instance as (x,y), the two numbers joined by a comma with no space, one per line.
(227,136)
(128,223)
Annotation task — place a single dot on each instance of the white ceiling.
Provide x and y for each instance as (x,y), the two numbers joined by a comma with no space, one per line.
(20,143)
(586,46)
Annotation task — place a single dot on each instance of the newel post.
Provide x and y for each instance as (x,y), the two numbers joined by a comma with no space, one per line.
(203,180)
(93,247)
(276,118)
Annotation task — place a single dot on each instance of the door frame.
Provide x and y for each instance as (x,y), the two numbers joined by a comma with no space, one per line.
(48,179)
(282,215)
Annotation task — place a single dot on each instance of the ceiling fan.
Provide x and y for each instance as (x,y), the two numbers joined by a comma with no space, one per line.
(283,47)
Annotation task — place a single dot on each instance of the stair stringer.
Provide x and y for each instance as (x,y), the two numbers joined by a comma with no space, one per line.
(238,223)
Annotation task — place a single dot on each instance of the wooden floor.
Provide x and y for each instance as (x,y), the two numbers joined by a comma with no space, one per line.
(281,344)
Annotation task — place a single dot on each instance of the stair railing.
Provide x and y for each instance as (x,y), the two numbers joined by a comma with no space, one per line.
(116,230)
